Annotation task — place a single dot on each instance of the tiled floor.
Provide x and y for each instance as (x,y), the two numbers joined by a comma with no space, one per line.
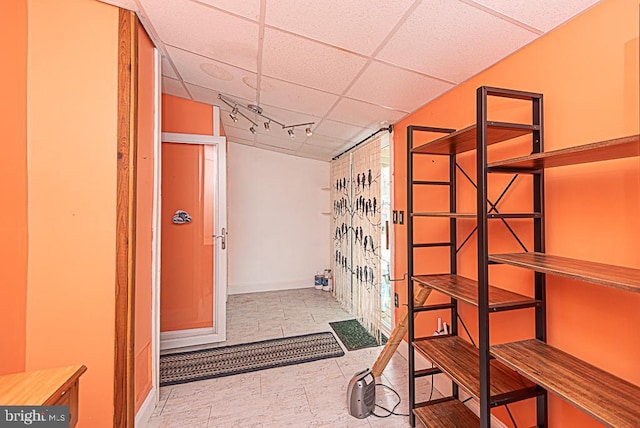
(304,395)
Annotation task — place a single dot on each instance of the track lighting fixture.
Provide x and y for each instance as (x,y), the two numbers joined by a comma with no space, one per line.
(234,113)
(257,110)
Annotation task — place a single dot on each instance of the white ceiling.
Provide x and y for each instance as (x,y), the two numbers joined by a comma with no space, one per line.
(350,66)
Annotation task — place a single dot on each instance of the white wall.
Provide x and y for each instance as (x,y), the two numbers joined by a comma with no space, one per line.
(278,236)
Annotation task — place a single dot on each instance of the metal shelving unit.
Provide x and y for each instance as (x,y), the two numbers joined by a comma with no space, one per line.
(508,372)
(471,368)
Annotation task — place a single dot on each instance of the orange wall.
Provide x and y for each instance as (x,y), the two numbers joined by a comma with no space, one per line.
(588,73)
(186,117)
(13,189)
(144,216)
(72,111)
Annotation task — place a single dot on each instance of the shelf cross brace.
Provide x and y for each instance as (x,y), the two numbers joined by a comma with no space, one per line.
(494,205)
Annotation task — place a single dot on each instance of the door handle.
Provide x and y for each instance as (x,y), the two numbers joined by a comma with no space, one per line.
(223,235)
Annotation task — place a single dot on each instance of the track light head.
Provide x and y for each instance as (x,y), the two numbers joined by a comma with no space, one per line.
(308,131)
(253,130)
(267,127)
(291,133)
(234,113)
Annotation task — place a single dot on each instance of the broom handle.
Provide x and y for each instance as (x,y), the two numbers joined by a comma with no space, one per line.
(397,335)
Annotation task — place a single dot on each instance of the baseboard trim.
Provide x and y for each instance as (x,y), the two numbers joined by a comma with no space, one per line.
(146,410)
(442,384)
(258,287)
(191,337)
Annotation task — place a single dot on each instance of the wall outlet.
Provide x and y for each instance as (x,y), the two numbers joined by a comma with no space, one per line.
(395,300)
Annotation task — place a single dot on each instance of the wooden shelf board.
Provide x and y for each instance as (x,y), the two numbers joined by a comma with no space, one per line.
(446,413)
(598,273)
(473,215)
(609,399)
(466,290)
(617,148)
(465,139)
(443,214)
(460,361)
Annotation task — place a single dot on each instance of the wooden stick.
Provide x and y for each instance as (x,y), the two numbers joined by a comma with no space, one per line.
(397,335)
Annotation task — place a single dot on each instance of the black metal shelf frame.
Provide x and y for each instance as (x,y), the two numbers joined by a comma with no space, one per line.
(486,210)
(453,305)
(482,95)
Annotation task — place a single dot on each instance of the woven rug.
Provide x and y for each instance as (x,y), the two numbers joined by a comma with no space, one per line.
(230,360)
(354,336)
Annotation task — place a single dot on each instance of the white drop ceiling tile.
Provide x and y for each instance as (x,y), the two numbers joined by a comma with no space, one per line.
(541,14)
(402,89)
(200,71)
(364,114)
(247,8)
(297,98)
(283,142)
(337,22)
(237,132)
(287,117)
(292,58)
(203,95)
(204,30)
(452,40)
(174,87)
(167,69)
(339,130)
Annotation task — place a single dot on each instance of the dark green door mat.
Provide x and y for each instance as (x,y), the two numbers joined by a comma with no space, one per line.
(354,336)
(230,360)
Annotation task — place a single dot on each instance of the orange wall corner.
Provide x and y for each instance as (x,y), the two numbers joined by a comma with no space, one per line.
(144,217)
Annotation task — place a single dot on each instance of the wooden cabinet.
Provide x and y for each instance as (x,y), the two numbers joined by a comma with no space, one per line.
(52,387)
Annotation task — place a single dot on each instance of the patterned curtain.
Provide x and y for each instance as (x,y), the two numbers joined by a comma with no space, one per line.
(357,232)
(341,230)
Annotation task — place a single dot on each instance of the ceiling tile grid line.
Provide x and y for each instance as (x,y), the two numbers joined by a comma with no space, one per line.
(502,16)
(347,65)
(241,8)
(384,41)
(260,48)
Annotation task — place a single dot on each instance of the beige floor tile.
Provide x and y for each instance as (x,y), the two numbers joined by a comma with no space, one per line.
(189,417)
(304,395)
